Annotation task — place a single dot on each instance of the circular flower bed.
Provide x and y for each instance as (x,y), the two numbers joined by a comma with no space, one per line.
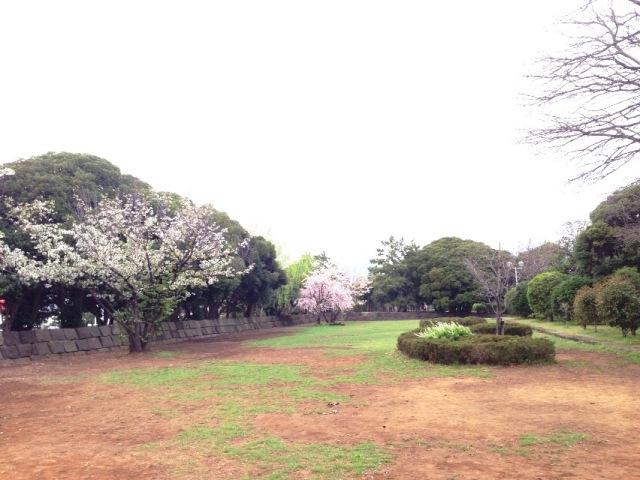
(477,349)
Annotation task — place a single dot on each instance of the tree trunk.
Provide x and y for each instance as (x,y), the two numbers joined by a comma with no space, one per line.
(71,304)
(135,344)
(140,333)
(141,337)
(31,311)
(499,325)
(213,310)
(10,312)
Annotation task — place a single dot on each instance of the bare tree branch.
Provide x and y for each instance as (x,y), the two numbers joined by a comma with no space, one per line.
(591,95)
(493,273)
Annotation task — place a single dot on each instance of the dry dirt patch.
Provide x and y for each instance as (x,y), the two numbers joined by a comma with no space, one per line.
(57,421)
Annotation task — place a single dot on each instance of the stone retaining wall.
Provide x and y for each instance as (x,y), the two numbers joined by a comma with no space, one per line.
(37,344)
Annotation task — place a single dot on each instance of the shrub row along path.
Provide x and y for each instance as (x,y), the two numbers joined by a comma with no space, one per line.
(585,339)
(576,418)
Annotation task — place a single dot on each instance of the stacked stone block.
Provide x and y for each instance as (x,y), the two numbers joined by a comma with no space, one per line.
(37,344)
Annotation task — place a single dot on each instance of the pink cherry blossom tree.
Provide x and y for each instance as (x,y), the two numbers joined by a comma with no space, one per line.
(327,292)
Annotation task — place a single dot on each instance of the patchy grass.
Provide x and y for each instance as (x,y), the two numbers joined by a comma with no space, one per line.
(623,355)
(223,398)
(283,459)
(529,443)
(561,437)
(376,340)
(605,333)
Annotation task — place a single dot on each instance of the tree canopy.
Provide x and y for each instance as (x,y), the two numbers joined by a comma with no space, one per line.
(66,181)
(445,281)
(136,258)
(612,241)
(327,292)
(393,278)
(539,292)
(60,178)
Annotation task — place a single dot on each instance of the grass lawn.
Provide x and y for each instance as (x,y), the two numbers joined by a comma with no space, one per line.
(319,402)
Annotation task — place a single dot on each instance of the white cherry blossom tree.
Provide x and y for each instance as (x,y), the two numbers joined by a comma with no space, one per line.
(135,255)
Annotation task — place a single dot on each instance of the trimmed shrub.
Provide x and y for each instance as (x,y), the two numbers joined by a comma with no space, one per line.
(618,303)
(585,307)
(510,328)
(464,321)
(517,302)
(478,349)
(507,350)
(479,308)
(563,294)
(430,350)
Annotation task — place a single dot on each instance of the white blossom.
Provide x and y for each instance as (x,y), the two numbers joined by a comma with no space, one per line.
(132,249)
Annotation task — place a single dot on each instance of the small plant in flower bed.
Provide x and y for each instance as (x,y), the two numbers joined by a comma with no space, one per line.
(448,331)
(465,321)
(477,349)
(510,328)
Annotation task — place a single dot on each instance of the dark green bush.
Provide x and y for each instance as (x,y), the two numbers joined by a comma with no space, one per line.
(464,321)
(478,349)
(517,301)
(510,328)
(479,308)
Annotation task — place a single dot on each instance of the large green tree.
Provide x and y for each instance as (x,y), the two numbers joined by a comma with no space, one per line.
(445,281)
(539,293)
(258,285)
(612,241)
(393,277)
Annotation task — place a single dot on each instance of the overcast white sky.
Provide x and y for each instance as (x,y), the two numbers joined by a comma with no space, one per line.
(325,126)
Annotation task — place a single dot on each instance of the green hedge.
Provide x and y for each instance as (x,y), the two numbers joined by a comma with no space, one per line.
(464,321)
(510,328)
(478,349)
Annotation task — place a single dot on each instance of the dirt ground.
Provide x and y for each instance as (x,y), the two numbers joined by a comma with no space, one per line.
(58,422)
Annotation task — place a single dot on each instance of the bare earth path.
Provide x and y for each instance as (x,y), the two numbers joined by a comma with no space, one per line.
(58,422)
